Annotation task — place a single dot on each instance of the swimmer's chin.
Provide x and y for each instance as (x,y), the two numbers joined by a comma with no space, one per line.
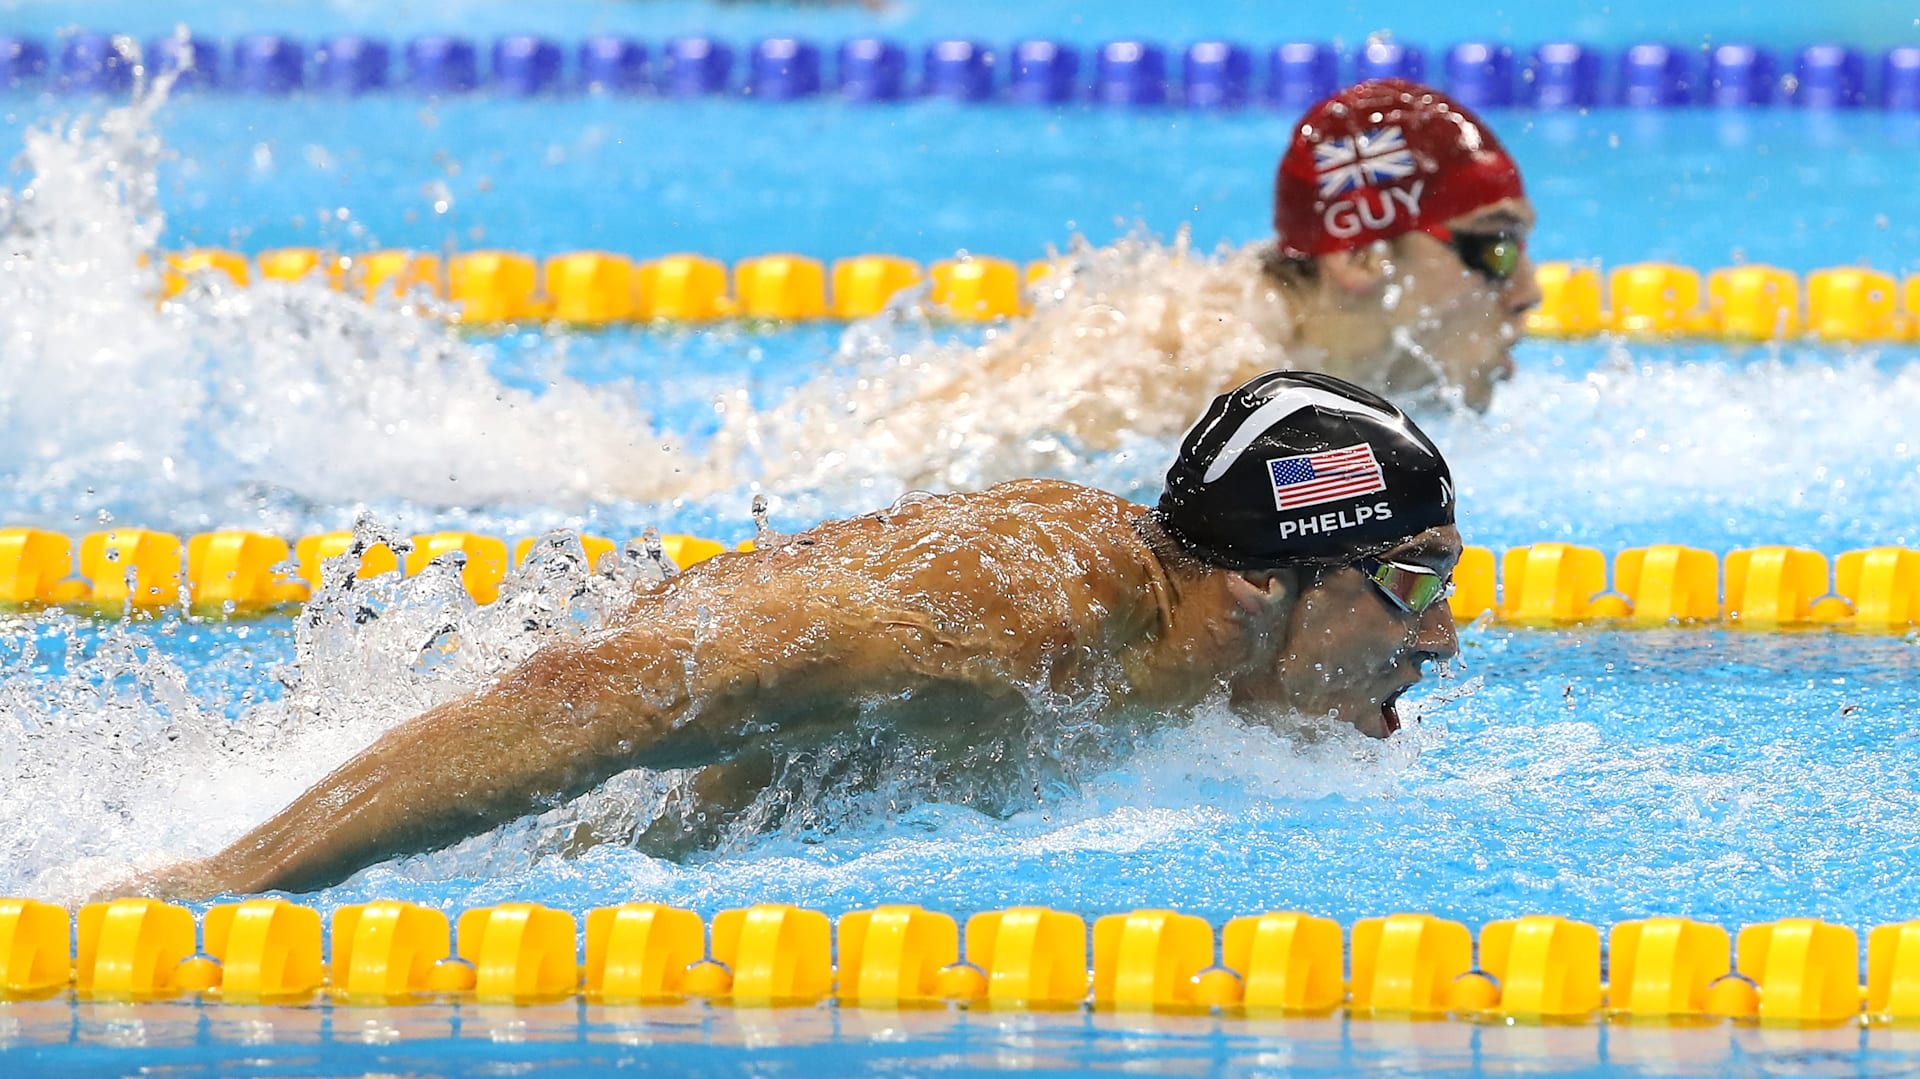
(1377,718)
(1374,719)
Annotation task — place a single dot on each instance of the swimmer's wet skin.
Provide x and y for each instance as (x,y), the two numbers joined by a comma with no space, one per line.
(1297,562)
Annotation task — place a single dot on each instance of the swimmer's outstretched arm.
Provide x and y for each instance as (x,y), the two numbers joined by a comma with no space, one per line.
(564,721)
(569,717)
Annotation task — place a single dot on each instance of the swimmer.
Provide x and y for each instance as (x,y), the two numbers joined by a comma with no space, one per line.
(1402,243)
(1297,563)
(1400,264)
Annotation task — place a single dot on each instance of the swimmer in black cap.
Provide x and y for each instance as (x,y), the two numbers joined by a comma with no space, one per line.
(1298,563)
(1301,493)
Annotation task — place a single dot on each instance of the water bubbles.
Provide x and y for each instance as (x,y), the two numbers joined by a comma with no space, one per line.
(656,553)
(764,535)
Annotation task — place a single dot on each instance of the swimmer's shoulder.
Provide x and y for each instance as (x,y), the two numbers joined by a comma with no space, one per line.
(1040,515)
(1036,521)
(1062,497)
(1087,531)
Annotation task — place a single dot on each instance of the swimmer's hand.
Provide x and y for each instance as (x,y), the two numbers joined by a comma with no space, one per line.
(181,881)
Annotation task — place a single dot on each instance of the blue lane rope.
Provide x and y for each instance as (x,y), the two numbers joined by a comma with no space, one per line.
(1136,74)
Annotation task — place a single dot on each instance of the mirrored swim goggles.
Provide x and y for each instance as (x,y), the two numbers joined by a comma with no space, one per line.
(1493,255)
(1410,589)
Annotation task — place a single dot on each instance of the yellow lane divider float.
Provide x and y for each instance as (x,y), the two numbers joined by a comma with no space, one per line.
(1542,584)
(1738,303)
(1407,965)
(597,288)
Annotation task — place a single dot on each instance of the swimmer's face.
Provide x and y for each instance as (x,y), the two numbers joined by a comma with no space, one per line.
(1440,311)
(1463,301)
(1348,650)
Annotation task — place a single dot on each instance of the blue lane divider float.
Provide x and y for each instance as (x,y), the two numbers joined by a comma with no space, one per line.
(1740,75)
(872,69)
(1900,79)
(438,64)
(1128,74)
(695,67)
(1654,75)
(524,66)
(96,63)
(1482,73)
(613,65)
(1830,76)
(352,64)
(1216,75)
(1387,60)
(269,64)
(1043,73)
(22,60)
(1564,75)
(784,69)
(1300,74)
(959,70)
(194,61)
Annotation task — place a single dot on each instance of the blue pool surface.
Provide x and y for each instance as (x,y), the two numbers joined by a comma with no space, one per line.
(645,177)
(1593,772)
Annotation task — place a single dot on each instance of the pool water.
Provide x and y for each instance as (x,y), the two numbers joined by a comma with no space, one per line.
(1595,773)
(694,1040)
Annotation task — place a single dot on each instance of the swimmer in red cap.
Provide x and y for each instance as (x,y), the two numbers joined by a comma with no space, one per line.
(1403,237)
(1401,265)
(1297,566)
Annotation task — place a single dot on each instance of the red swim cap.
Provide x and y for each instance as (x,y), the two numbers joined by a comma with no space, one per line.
(1383,158)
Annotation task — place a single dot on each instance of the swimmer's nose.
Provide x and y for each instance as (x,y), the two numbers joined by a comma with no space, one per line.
(1436,635)
(1523,290)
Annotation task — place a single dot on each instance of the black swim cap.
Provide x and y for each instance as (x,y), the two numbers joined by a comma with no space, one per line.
(1300,467)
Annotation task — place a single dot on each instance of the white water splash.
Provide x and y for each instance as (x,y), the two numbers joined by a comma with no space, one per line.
(198,756)
(200,409)
(1801,446)
(1125,342)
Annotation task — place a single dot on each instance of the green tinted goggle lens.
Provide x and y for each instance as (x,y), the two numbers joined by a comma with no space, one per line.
(1413,589)
(1493,255)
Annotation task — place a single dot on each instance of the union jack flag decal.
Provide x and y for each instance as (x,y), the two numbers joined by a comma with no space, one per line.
(1372,157)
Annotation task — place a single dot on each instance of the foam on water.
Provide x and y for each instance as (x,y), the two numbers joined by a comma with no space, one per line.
(195,759)
(1127,341)
(250,406)
(1797,446)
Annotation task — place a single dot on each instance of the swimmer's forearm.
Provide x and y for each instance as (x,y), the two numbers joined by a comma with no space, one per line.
(550,731)
(561,723)
(409,792)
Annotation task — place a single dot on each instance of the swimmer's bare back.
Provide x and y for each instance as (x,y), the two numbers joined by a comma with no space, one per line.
(1030,586)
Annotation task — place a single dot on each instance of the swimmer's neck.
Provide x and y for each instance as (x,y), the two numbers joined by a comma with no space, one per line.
(1205,637)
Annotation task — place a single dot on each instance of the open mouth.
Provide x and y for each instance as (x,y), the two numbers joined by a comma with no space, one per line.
(1390,711)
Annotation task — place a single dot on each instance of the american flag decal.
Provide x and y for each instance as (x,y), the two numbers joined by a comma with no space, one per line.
(1315,478)
(1372,157)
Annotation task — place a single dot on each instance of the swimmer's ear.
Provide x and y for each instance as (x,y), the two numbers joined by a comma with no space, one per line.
(1356,270)
(1261,599)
